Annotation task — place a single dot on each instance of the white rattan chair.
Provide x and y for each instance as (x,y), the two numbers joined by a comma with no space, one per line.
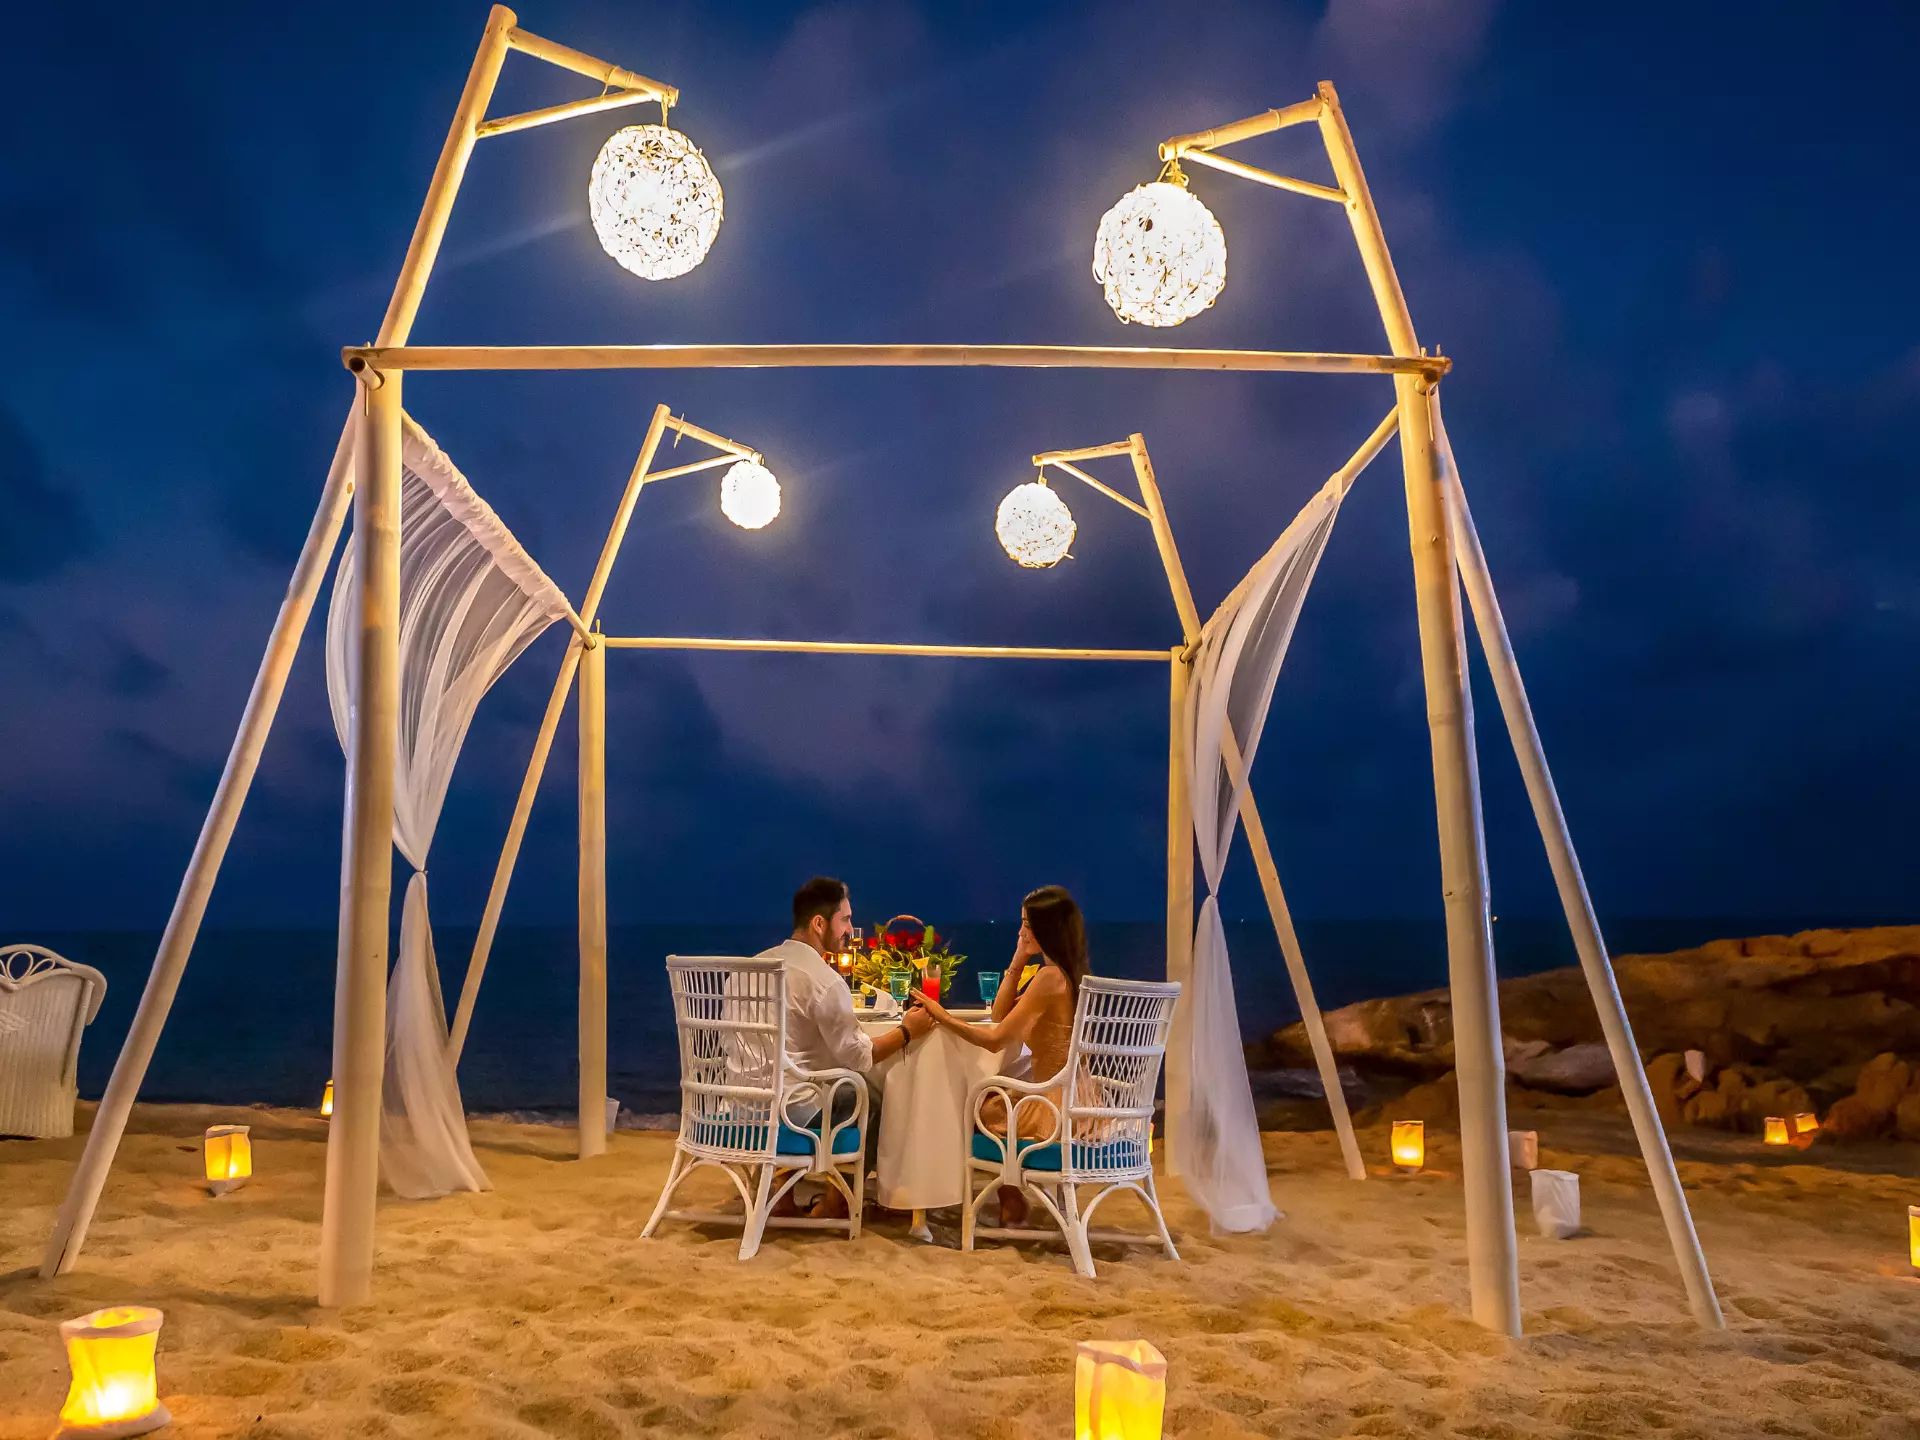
(738,1091)
(1113,1064)
(46,1000)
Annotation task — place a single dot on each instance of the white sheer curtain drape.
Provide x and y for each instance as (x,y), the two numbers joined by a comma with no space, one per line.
(1217,1140)
(471,599)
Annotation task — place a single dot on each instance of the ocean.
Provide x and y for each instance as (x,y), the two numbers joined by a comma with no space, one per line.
(253,1019)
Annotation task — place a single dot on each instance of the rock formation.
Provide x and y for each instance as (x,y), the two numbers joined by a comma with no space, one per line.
(1825,1021)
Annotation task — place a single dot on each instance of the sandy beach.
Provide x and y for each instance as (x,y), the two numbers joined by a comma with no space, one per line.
(536,1309)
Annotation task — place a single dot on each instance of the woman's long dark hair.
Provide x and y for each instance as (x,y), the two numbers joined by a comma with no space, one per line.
(1059,931)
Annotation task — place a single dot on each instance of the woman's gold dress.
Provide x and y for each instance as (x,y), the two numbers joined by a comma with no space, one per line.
(1051,1037)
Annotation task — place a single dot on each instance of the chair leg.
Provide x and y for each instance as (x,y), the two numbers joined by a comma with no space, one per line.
(673,1179)
(1153,1199)
(757,1217)
(966,1209)
(1076,1229)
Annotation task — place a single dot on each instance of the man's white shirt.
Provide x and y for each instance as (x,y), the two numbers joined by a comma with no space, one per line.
(822,1033)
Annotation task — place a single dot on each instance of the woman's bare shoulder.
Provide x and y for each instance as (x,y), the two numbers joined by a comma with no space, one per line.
(1051,980)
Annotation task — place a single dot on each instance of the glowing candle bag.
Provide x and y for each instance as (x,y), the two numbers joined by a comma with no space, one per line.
(1119,1390)
(1409,1144)
(1913,1236)
(1556,1203)
(110,1353)
(1777,1131)
(326,1099)
(229,1155)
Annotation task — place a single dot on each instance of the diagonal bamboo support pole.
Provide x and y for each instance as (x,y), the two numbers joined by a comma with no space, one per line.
(263,702)
(1572,885)
(543,741)
(1180,849)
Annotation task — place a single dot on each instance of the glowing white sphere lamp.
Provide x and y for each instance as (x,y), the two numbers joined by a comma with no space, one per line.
(1034,525)
(749,495)
(654,201)
(1160,254)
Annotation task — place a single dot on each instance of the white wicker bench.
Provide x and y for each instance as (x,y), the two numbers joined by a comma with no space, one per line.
(46,1000)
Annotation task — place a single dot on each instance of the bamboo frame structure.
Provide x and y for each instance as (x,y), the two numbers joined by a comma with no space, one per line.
(1444,551)
(76,1211)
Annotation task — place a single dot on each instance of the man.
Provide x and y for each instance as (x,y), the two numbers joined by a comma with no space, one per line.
(822,1033)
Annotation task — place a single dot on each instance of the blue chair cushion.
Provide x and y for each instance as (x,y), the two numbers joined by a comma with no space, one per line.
(847,1141)
(1047,1157)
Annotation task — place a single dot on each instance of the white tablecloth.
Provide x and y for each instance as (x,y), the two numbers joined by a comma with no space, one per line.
(923,1100)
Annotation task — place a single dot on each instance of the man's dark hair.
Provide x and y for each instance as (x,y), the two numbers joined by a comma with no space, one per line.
(819,896)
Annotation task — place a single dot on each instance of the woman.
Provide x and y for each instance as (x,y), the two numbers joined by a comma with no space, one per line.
(1035,1010)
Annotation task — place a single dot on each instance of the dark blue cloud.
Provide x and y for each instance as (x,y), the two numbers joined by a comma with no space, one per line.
(1686,381)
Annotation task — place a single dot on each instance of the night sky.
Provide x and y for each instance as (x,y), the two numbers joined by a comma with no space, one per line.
(1669,248)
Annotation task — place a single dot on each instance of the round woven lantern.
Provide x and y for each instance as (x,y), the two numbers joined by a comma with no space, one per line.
(749,495)
(1034,525)
(1160,255)
(654,200)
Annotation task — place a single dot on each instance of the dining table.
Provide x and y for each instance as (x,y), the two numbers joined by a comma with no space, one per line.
(920,1163)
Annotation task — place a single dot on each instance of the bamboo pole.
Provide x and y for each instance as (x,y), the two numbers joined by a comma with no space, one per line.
(1265,123)
(1296,962)
(360,994)
(1163,538)
(1179,1079)
(828,357)
(196,886)
(543,741)
(263,702)
(1266,177)
(714,463)
(1089,452)
(509,855)
(533,119)
(568,58)
(1277,908)
(1179,896)
(593,900)
(1104,489)
(1249,812)
(707,437)
(1480,1068)
(853,647)
(1572,885)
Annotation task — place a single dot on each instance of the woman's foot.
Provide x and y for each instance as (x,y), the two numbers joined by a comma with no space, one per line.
(1013,1207)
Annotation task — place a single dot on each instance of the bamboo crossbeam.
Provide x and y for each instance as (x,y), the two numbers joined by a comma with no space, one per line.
(830,357)
(707,437)
(853,647)
(1305,112)
(1090,452)
(531,119)
(715,463)
(1267,177)
(1105,489)
(567,58)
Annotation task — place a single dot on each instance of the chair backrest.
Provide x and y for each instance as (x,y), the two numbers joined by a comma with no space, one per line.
(46,1000)
(731,1018)
(1120,1030)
